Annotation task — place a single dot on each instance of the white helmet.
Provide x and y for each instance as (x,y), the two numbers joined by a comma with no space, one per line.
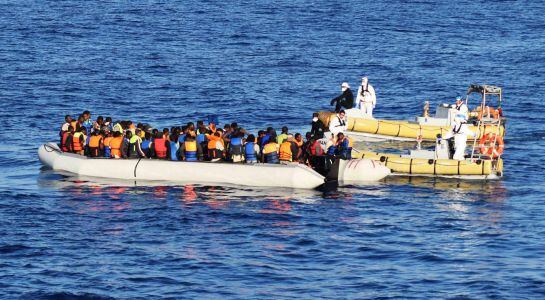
(345,85)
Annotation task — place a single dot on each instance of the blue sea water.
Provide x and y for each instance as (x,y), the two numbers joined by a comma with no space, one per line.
(265,63)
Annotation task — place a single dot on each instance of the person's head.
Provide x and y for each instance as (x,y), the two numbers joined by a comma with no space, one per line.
(165,131)
(189,137)
(200,123)
(86,115)
(147,136)
(459,100)
(174,137)
(227,127)
(128,134)
(185,129)
(71,129)
(158,135)
(308,135)
(217,133)
(190,126)
(364,81)
(342,113)
(270,141)
(138,131)
(290,138)
(250,138)
(81,119)
(82,129)
(108,120)
(345,86)
(234,125)
(285,129)
(100,120)
(340,136)
(298,137)
(68,118)
(154,131)
(319,135)
(260,133)
(117,134)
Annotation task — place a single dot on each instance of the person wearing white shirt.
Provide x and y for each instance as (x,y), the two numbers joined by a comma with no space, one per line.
(338,123)
(366,98)
(462,111)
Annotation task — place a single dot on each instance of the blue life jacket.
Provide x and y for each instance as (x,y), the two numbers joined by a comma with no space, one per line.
(174,146)
(272,158)
(249,152)
(190,150)
(264,140)
(331,150)
(235,147)
(344,150)
(107,151)
(145,145)
(201,138)
(181,138)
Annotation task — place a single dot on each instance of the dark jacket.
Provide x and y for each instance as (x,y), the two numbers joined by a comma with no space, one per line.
(317,128)
(346,100)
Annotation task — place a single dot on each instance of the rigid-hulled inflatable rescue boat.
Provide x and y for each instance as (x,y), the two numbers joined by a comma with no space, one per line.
(486,117)
(261,175)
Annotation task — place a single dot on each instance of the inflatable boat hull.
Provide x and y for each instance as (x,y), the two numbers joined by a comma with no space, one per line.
(258,175)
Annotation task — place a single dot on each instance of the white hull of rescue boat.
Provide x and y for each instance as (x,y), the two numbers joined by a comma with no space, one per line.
(258,175)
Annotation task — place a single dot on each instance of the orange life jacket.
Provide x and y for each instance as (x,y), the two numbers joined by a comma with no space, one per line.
(285,151)
(77,143)
(107,141)
(94,141)
(115,145)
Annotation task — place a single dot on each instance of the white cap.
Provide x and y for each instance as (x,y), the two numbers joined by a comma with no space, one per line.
(345,85)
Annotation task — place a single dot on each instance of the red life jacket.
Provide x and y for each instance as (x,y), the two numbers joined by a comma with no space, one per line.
(160,148)
(316,149)
(63,141)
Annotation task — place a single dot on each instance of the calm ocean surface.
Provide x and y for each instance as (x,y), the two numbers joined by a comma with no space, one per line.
(262,63)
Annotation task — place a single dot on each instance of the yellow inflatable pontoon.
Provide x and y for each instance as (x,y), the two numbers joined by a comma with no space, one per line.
(403,130)
(467,169)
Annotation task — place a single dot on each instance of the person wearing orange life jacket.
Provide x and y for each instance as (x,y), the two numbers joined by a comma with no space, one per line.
(343,147)
(116,145)
(67,140)
(79,140)
(189,149)
(160,146)
(288,150)
(216,146)
(95,144)
(270,152)
(106,143)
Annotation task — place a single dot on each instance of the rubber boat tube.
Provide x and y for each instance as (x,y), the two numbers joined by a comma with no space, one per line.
(259,175)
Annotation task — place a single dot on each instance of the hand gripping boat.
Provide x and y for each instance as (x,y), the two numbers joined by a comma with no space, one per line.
(482,120)
(259,175)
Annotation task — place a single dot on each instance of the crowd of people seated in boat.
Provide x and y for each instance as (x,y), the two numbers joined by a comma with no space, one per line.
(197,142)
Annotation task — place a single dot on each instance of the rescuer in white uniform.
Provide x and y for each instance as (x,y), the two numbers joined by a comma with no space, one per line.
(460,131)
(338,123)
(461,109)
(366,98)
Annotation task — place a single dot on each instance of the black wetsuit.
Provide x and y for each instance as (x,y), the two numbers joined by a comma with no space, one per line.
(346,100)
